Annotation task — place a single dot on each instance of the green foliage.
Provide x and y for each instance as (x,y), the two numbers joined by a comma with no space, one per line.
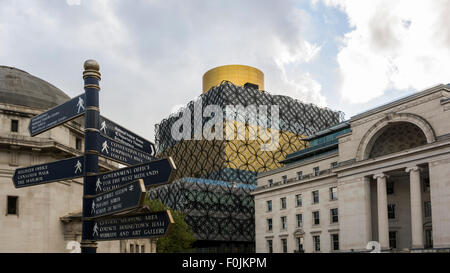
(180,237)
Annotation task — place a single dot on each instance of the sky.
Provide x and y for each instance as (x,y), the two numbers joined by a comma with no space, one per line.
(346,55)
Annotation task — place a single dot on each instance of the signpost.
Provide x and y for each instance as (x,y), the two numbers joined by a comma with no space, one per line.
(50,172)
(122,199)
(153,173)
(145,225)
(58,115)
(108,194)
(121,153)
(124,136)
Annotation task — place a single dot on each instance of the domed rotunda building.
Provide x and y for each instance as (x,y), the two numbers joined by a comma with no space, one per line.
(47,217)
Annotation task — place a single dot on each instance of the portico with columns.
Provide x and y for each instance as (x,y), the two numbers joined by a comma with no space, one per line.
(395,184)
(392,178)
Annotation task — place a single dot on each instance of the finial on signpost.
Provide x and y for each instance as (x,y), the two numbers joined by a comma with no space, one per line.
(91,69)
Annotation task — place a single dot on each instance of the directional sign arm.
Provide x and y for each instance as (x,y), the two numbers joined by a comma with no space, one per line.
(153,173)
(50,172)
(122,199)
(136,226)
(57,115)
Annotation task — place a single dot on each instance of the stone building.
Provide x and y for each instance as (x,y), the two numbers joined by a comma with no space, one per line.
(383,175)
(43,218)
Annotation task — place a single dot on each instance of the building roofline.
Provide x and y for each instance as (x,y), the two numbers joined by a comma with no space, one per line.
(403,100)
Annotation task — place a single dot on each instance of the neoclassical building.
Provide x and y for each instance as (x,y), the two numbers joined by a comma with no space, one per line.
(383,176)
(43,218)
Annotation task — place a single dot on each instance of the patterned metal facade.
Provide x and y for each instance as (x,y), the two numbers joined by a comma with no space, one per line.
(214,178)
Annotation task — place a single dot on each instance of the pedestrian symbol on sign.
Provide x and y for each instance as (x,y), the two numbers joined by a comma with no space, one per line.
(80,104)
(105,147)
(78,167)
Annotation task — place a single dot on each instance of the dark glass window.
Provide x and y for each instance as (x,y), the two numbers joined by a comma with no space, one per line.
(14,125)
(284,244)
(299,220)
(393,239)
(269,205)
(316,171)
(333,193)
(269,224)
(284,223)
(427,207)
(316,240)
(283,203)
(335,241)
(270,246)
(334,165)
(300,244)
(78,144)
(316,218)
(270,182)
(315,195)
(390,187)
(334,216)
(284,178)
(426,185)
(391,211)
(13,205)
(298,198)
(299,175)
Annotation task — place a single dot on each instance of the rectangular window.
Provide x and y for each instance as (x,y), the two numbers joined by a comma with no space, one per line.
(335,241)
(270,182)
(391,211)
(334,215)
(300,244)
(299,175)
(284,245)
(283,222)
(316,218)
(316,171)
(315,196)
(14,125)
(78,144)
(298,199)
(316,240)
(137,248)
(143,249)
(299,220)
(269,224)
(393,239)
(427,208)
(284,179)
(269,205)
(426,185)
(390,187)
(334,165)
(131,248)
(13,205)
(283,202)
(333,193)
(270,246)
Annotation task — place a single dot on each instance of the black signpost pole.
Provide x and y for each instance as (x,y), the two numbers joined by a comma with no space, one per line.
(91,76)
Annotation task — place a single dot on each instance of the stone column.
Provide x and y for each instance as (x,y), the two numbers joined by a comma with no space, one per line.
(416,207)
(383,223)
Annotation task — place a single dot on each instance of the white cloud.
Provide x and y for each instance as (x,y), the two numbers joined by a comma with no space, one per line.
(73,2)
(393,45)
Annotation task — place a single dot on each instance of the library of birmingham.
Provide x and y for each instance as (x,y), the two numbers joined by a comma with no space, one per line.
(378,180)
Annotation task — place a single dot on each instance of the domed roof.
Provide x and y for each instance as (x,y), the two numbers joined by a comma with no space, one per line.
(20,88)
